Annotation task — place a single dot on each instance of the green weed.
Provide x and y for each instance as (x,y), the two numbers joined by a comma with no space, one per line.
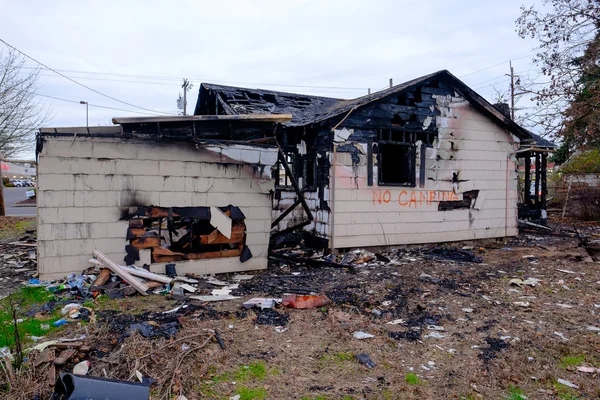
(247,393)
(255,370)
(515,393)
(412,379)
(571,361)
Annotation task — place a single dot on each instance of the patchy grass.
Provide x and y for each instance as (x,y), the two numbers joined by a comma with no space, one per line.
(571,361)
(13,227)
(254,371)
(412,379)
(247,393)
(515,393)
(564,392)
(23,300)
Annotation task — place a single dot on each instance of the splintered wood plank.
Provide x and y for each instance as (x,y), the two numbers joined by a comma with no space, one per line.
(147,242)
(214,254)
(219,238)
(211,237)
(64,356)
(126,276)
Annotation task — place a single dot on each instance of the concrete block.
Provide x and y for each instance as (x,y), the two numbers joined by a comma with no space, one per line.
(175,199)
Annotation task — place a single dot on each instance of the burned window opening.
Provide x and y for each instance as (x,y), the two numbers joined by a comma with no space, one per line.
(282,179)
(188,233)
(468,201)
(304,170)
(396,157)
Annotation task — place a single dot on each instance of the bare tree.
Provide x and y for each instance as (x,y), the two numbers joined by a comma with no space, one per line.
(567,32)
(20,112)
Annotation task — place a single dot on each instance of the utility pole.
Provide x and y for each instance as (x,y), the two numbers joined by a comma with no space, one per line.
(186,86)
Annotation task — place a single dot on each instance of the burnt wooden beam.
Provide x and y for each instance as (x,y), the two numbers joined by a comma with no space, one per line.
(528,178)
(537,179)
(544,180)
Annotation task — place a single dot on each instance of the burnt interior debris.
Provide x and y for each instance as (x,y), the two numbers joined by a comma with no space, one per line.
(468,201)
(186,233)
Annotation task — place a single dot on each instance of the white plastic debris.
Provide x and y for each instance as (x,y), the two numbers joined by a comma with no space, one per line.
(435,335)
(431,363)
(82,368)
(236,397)
(567,383)
(452,351)
(566,271)
(468,310)
(522,304)
(261,302)
(560,335)
(71,306)
(593,328)
(280,329)
(243,277)
(396,322)
(435,328)
(139,375)
(564,305)
(362,335)
(185,347)
(592,370)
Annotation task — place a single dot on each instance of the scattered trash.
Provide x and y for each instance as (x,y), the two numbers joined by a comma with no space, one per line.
(567,383)
(560,335)
(592,370)
(60,322)
(362,335)
(365,360)
(467,310)
(564,305)
(435,335)
(521,303)
(529,282)
(435,328)
(280,329)
(72,386)
(593,328)
(261,302)
(271,317)
(82,368)
(566,271)
(185,347)
(494,346)
(310,301)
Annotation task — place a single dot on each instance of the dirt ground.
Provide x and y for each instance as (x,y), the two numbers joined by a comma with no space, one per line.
(442,329)
(15,264)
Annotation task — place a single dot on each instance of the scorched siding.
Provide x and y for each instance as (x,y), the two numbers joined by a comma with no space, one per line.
(87,186)
(469,147)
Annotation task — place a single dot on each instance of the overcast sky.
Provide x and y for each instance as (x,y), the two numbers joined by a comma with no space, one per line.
(139,51)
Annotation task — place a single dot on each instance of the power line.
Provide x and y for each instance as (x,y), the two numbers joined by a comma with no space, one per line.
(168,78)
(92,105)
(80,84)
(495,65)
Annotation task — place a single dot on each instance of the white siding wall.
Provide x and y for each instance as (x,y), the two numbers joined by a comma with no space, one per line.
(84,188)
(385,215)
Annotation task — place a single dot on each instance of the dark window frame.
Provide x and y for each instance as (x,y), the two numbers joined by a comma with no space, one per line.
(397,138)
(299,166)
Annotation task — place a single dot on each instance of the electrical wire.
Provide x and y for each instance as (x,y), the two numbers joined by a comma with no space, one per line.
(80,84)
(93,105)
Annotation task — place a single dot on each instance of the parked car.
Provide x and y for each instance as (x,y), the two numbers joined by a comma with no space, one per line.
(16,183)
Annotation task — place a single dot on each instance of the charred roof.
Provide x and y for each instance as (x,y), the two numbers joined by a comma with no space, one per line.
(307,109)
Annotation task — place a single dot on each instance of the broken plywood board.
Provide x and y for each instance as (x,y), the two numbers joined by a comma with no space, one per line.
(222,222)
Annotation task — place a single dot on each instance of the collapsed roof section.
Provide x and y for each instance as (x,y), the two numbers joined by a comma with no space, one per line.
(218,100)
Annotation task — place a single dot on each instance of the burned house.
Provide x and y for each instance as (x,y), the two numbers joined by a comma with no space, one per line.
(425,161)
